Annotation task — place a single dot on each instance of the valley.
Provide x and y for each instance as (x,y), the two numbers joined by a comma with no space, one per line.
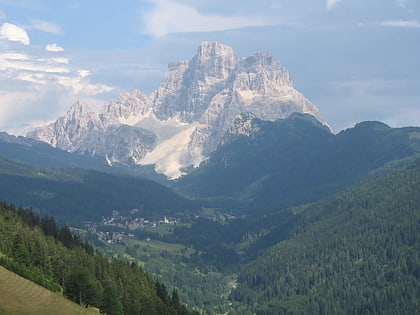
(224,191)
(207,233)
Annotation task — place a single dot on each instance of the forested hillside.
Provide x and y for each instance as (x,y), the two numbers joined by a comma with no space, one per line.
(51,256)
(355,253)
(75,195)
(294,161)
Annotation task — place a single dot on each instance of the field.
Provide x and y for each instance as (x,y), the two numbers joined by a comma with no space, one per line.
(19,296)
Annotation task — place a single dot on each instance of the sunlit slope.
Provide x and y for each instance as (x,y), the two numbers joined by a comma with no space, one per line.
(20,296)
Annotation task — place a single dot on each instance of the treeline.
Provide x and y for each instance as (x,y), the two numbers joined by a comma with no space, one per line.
(355,253)
(40,250)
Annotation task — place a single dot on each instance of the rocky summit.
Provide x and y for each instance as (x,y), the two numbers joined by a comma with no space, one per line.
(187,117)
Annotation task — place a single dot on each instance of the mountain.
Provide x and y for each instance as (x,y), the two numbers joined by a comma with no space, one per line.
(187,117)
(272,165)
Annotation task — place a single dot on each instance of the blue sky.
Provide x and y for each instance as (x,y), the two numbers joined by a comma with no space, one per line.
(355,59)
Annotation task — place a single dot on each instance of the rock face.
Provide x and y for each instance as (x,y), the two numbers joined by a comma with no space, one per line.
(192,112)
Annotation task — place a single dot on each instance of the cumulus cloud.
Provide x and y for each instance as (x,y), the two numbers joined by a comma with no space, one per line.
(401,23)
(14,33)
(54,48)
(332,3)
(169,17)
(46,26)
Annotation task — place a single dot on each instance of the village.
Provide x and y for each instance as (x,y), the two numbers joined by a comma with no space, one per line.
(115,228)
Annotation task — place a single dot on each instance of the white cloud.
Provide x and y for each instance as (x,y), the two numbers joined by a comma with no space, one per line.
(61,60)
(54,48)
(14,33)
(14,56)
(401,23)
(20,62)
(402,3)
(45,26)
(80,86)
(169,17)
(83,73)
(332,3)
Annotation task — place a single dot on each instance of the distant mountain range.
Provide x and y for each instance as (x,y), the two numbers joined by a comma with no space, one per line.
(181,123)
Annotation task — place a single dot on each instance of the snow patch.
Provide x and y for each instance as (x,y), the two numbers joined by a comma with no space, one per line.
(134,119)
(169,156)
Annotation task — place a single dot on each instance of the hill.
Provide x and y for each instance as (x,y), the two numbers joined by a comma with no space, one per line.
(296,160)
(56,259)
(19,296)
(356,252)
(75,195)
(38,153)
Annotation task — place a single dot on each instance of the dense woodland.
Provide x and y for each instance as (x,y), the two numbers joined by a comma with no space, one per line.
(38,249)
(355,253)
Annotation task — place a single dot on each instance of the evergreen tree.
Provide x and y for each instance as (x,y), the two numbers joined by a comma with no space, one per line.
(111,304)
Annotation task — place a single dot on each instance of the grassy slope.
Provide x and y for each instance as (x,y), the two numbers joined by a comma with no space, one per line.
(20,296)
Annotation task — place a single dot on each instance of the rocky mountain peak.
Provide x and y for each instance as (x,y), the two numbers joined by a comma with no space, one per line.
(211,49)
(82,114)
(213,61)
(78,110)
(127,107)
(261,60)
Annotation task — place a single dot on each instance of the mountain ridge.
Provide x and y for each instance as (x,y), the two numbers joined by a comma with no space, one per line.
(272,165)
